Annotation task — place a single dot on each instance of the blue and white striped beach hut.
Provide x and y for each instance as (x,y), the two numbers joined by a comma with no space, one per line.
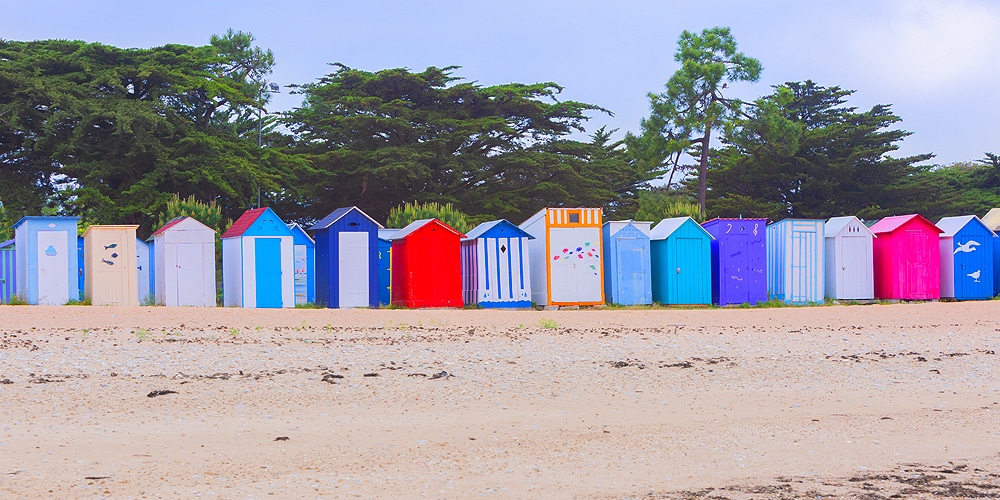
(795,265)
(495,267)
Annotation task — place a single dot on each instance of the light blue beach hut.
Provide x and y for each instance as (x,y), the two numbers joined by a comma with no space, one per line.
(8,271)
(347,259)
(795,265)
(385,266)
(144,268)
(992,221)
(627,267)
(495,267)
(304,249)
(966,258)
(257,262)
(681,258)
(47,264)
(848,259)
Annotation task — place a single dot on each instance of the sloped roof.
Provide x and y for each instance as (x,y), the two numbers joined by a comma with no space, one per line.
(835,225)
(992,219)
(386,234)
(890,224)
(4,244)
(952,225)
(417,224)
(336,215)
(298,229)
(243,223)
(485,227)
(54,218)
(171,223)
(663,229)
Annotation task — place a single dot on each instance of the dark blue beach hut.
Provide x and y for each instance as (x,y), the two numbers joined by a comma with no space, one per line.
(627,266)
(385,266)
(966,258)
(681,254)
(347,259)
(739,260)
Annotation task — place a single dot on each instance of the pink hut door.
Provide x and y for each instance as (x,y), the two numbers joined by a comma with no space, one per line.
(915,279)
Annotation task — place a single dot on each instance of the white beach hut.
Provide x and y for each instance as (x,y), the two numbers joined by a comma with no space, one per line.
(184,252)
(849,259)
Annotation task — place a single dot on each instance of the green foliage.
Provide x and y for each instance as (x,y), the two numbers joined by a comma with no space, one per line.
(548,323)
(6,232)
(804,153)
(693,104)
(379,139)
(108,133)
(661,203)
(209,214)
(401,216)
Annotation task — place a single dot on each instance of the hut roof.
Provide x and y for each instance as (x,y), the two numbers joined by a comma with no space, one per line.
(890,224)
(417,224)
(336,215)
(952,225)
(663,229)
(485,227)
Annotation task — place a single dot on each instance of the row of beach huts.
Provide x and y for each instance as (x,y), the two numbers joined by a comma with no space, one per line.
(558,257)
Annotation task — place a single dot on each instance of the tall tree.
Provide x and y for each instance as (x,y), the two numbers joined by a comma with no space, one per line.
(693,103)
(378,139)
(835,160)
(110,133)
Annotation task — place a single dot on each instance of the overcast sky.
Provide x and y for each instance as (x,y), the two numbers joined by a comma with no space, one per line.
(934,61)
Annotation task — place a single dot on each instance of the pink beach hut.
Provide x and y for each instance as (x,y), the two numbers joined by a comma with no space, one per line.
(907,258)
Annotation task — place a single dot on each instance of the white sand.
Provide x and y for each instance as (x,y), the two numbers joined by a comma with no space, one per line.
(755,403)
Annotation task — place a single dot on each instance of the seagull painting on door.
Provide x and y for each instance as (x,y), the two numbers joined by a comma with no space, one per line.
(966,258)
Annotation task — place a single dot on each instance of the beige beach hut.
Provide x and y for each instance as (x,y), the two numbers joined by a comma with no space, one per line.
(112,278)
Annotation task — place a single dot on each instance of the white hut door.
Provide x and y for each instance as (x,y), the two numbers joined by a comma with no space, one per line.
(53,265)
(352,284)
(189,289)
(855,269)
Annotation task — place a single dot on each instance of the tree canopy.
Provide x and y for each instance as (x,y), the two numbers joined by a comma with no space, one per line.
(378,139)
(836,160)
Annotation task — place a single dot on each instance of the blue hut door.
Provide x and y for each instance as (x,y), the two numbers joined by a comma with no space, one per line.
(353,281)
(631,275)
(691,265)
(267,255)
(969,278)
(735,272)
(53,268)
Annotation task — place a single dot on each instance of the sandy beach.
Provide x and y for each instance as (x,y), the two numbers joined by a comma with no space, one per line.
(863,401)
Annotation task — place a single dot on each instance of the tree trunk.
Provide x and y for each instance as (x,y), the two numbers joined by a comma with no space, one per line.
(703,170)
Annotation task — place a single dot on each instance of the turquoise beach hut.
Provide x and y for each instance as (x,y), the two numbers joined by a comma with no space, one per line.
(47,264)
(257,262)
(627,266)
(681,258)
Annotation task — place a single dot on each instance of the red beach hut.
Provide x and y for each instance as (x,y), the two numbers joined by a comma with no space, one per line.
(427,265)
(907,260)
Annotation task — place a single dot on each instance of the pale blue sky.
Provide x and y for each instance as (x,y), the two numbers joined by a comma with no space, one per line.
(935,61)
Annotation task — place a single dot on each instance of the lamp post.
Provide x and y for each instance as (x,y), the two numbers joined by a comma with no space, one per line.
(274,89)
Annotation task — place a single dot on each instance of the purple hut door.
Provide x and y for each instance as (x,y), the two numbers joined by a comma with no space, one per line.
(735,278)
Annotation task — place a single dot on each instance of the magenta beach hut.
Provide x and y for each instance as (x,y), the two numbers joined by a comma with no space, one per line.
(907,260)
